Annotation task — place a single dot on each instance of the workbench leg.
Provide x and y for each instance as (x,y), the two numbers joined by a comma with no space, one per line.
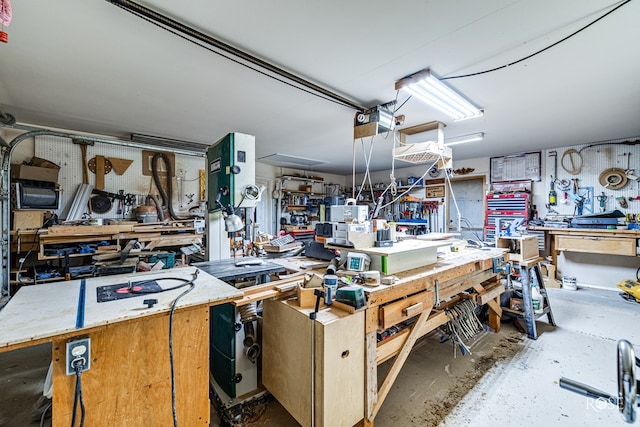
(529,317)
(495,312)
(416,332)
(371,366)
(554,253)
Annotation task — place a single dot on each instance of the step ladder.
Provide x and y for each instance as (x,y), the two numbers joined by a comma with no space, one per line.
(530,270)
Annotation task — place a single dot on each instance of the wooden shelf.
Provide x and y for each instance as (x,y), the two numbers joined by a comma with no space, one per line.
(304,193)
(300,178)
(45,257)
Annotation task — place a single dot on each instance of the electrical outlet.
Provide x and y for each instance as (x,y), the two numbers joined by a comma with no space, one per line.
(78,350)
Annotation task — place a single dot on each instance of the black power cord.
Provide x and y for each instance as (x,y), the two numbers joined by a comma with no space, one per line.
(173,379)
(44,414)
(185,282)
(78,365)
(539,51)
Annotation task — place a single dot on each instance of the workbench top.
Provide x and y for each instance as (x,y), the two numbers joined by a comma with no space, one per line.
(589,231)
(449,267)
(38,313)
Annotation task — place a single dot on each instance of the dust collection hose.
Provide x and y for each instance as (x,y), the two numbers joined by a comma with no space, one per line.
(167,197)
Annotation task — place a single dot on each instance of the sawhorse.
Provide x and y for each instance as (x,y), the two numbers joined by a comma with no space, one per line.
(530,269)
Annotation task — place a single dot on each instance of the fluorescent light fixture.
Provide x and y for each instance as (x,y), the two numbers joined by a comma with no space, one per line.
(428,88)
(278,159)
(462,139)
(177,144)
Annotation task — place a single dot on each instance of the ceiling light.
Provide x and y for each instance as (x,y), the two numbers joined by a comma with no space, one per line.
(425,86)
(464,138)
(278,159)
(177,144)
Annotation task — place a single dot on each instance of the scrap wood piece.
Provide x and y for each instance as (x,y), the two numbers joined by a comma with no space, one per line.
(281,248)
(173,241)
(120,166)
(136,235)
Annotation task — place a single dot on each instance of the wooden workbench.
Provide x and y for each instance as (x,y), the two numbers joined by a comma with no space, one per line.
(418,293)
(128,382)
(591,241)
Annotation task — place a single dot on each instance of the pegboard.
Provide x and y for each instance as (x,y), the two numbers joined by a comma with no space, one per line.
(67,155)
(595,160)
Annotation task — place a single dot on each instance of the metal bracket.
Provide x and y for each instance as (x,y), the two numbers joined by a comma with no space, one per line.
(437,304)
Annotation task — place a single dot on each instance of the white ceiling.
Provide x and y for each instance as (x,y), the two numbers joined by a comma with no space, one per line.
(91,66)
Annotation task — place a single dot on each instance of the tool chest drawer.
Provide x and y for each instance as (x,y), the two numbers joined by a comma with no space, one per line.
(597,245)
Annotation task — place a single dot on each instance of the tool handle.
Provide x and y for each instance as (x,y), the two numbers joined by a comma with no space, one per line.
(586,390)
(319,295)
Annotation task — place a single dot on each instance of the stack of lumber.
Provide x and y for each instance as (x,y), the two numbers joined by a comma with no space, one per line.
(163,234)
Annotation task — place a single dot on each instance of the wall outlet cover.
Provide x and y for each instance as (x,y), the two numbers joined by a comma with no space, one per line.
(78,349)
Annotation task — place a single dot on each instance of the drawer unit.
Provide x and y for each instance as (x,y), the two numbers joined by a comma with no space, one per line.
(338,356)
(597,245)
(505,207)
(508,202)
(404,309)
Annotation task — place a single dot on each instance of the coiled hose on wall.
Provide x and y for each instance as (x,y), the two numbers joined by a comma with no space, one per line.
(167,197)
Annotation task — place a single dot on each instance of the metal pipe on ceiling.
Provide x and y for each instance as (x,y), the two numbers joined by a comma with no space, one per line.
(32,131)
(167,22)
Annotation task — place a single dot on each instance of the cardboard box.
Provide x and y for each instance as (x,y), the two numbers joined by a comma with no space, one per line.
(549,275)
(43,163)
(34,173)
(520,248)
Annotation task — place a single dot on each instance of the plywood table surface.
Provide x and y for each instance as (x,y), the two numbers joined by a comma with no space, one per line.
(403,246)
(38,313)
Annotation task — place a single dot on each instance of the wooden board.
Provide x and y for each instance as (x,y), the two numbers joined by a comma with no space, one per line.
(100,172)
(129,379)
(76,230)
(597,245)
(120,165)
(38,313)
(27,219)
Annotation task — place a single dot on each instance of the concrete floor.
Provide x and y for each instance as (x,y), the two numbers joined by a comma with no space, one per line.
(508,380)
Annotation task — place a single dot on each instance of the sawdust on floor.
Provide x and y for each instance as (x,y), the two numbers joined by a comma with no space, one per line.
(431,383)
(438,407)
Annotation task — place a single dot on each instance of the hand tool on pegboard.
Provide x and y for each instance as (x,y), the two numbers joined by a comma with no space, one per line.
(602,199)
(83,150)
(623,202)
(553,197)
